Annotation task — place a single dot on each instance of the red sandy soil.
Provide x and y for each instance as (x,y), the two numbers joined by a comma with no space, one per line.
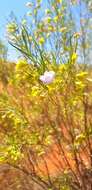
(58,159)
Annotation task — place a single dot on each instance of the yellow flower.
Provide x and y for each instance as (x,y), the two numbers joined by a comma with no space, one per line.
(77,35)
(74,57)
(30,38)
(59,1)
(56,18)
(20,64)
(63,29)
(48,19)
(51,28)
(35,11)
(35,91)
(11,27)
(82,74)
(41,40)
(39,1)
(48,35)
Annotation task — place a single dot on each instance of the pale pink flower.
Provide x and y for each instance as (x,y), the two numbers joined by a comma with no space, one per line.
(47,77)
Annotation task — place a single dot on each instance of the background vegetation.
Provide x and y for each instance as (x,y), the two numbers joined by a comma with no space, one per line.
(46,97)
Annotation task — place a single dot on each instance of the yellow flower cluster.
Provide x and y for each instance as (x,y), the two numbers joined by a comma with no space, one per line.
(11,27)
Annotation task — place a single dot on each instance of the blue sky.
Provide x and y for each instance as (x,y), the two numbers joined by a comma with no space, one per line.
(6,6)
(19,9)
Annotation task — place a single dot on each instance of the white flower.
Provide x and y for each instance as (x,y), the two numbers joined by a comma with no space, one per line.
(47,77)
(28,4)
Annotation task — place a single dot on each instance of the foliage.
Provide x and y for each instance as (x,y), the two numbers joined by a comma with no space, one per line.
(3,51)
(37,115)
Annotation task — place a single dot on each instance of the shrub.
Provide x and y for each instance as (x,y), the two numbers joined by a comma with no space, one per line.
(45,112)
